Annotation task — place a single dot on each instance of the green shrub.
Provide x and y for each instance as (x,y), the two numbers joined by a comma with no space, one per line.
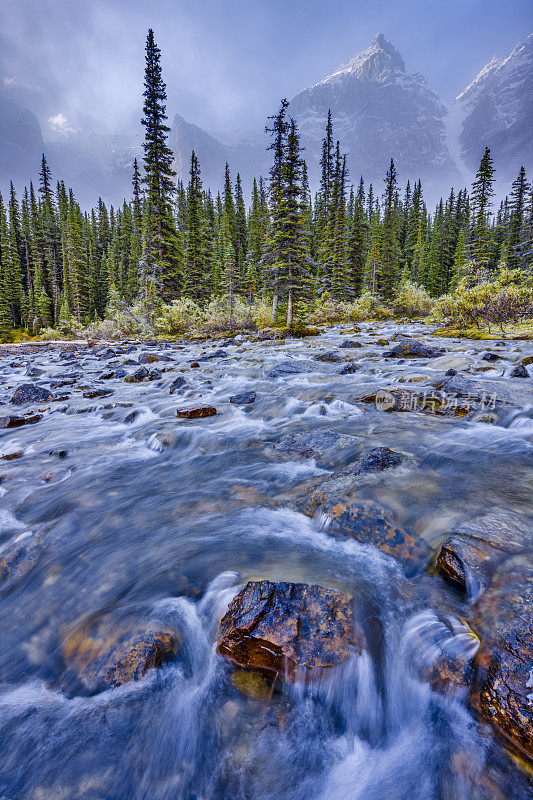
(412,300)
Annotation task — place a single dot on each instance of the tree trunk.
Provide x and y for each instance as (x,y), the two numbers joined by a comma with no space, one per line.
(289,309)
(274,306)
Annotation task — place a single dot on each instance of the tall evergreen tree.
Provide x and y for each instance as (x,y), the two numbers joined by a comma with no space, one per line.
(161,245)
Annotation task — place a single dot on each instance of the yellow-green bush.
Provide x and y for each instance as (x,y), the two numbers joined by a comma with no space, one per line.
(412,300)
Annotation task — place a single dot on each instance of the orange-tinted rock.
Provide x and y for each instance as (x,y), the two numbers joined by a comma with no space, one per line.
(291,628)
(18,557)
(103,655)
(12,455)
(369,524)
(466,563)
(196,413)
(503,689)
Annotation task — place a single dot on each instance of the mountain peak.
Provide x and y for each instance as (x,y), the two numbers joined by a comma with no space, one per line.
(379,62)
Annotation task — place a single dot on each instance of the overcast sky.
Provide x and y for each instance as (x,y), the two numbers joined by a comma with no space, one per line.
(79,65)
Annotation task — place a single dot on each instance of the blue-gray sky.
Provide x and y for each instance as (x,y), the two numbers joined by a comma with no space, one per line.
(228,62)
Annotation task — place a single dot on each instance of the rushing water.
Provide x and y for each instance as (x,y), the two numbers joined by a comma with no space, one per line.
(165,520)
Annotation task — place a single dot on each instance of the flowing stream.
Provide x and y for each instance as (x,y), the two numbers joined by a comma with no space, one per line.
(139,513)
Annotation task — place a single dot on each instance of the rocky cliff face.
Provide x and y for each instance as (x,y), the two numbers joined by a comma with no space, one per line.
(380,111)
(497,112)
(21,142)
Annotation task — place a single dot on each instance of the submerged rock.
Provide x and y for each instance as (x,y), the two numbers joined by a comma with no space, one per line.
(519,372)
(322,444)
(287,368)
(243,398)
(291,628)
(350,343)
(349,369)
(504,663)
(466,562)
(30,393)
(370,524)
(147,358)
(138,376)
(413,349)
(17,422)
(102,654)
(18,557)
(328,357)
(429,402)
(97,393)
(196,413)
(178,383)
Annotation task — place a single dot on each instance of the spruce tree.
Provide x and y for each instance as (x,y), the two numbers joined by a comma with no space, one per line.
(161,245)
(481,198)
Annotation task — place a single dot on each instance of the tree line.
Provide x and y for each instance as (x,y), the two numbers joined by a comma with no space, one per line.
(174,239)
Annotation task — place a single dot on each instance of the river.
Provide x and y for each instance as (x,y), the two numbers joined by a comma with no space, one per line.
(140,515)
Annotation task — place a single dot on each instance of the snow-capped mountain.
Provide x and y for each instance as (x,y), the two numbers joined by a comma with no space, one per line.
(497,109)
(379,111)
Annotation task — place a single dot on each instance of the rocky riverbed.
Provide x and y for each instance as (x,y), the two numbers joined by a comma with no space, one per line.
(266,568)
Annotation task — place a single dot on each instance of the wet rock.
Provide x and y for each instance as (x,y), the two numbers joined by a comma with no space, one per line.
(519,372)
(216,354)
(321,444)
(97,393)
(12,455)
(120,373)
(194,364)
(504,663)
(147,358)
(330,357)
(196,413)
(313,495)
(30,393)
(252,684)
(488,356)
(178,383)
(413,349)
(349,369)
(466,562)
(486,391)
(502,529)
(17,422)
(350,343)
(369,524)
(18,557)
(34,372)
(429,401)
(527,360)
(450,373)
(103,654)
(138,376)
(441,651)
(382,342)
(131,417)
(287,368)
(154,375)
(379,459)
(288,628)
(243,398)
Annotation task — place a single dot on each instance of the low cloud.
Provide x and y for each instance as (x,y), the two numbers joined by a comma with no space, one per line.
(60,124)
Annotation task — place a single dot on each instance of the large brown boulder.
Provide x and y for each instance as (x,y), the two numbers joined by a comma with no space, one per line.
(503,690)
(102,654)
(291,628)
